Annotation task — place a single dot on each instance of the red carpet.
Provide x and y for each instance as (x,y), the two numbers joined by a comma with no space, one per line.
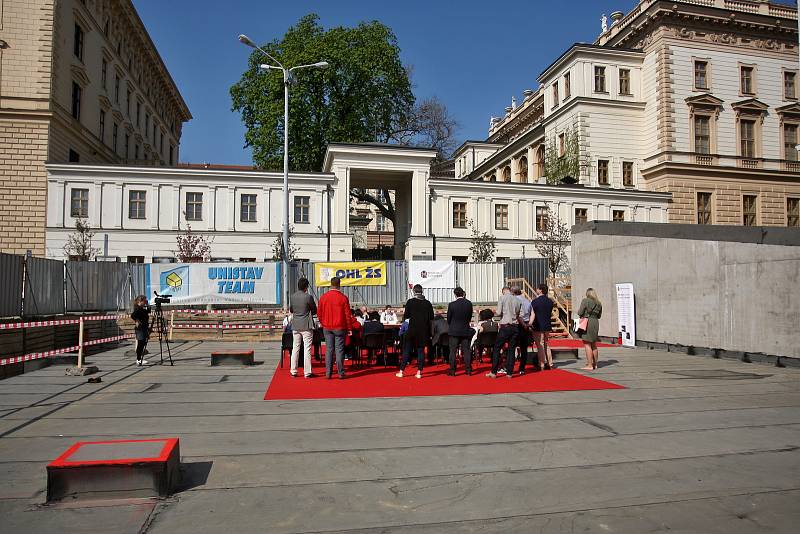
(377,381)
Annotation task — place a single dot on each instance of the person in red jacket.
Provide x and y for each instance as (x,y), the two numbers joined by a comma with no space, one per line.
(336,320)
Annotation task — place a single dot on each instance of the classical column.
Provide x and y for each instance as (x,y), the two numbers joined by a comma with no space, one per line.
(529,170)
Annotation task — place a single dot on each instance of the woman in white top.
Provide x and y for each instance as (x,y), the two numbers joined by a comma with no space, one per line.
(388,316)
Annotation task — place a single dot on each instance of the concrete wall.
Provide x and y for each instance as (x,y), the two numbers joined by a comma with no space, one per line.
(731,288)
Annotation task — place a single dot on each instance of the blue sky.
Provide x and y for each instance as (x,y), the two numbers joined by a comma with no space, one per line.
(473,55)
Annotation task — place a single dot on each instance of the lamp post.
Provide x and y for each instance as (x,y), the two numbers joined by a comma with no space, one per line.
(288,78)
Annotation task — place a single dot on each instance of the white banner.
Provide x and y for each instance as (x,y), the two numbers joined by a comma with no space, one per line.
(216,283)
(626,314)
(432,274)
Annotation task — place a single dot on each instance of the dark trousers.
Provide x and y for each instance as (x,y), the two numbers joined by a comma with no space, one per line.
(334,347)
(408,346)
(524,343)
(466,352)
(506,334)
(140,346)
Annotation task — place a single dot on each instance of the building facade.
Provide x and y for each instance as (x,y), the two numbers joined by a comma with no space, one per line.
(81,82)
(697,98)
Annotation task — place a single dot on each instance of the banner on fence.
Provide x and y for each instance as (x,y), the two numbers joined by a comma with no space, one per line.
(215,283)
(352,273)
(432,274)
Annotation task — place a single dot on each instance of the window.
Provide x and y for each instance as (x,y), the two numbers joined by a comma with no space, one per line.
(74,157)
(79,203)
(127,145)
(102,126)
(114,136)
(380,222)
(702,134)
(128,103)
(701,75)
(138,113)
(161,142)
(747,138)
(171,155)
(116,89)
(703,208)
(793,212)
(627,173)
(789,87)
(459,214)
(602,172)
(790,142)
(624,81)
(555,94)
(76,101)
(562,144)
(301,209)
(460,259)
(541,218)
(194,206)
(103,73)
(146,124)
(749,210)
(599,79)
(581,215)
(567,88)
(501,217)
(746,80)
(618,215)
(136,204)
(136,151)
(135,259)
(77,45)
(248,208)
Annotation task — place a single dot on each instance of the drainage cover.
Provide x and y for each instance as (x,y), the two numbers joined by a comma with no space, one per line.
(718,374)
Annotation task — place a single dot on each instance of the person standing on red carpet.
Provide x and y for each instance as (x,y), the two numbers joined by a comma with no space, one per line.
(508,308)
(459,315)
(336,320)
(303,308)
(540,321)
(419,313)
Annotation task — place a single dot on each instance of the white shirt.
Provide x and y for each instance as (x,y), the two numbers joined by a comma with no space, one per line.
(389,317)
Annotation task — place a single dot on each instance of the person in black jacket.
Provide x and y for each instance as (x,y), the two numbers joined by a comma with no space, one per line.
(141,318)
(419,313)
(459,315)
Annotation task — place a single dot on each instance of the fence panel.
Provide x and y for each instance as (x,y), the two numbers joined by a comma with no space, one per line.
(44,287)
(98,286)
(10,285)
(138,273)
(481,281)
(534,270)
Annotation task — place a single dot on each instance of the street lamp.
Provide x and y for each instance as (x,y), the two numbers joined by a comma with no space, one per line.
(288,78)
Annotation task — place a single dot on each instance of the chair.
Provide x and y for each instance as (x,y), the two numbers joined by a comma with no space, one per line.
(286,345)
(372,344)
(354,347)
(485,340)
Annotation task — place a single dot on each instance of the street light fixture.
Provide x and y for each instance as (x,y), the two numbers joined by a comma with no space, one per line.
(288,78)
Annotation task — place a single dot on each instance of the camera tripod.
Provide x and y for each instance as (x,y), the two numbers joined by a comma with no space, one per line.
(159,324)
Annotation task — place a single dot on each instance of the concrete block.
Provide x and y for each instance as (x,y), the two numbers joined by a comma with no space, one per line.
(81,371)
(232,357)
(115,470)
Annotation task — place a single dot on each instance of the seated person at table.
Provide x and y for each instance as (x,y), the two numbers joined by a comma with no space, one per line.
(388,316)
(359,315)
(439,327)
(373,324)
(485,325)
(353,338)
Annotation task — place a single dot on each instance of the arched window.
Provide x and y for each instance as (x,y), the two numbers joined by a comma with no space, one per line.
(540,161)
(507,174)
(522,170)
(493,178)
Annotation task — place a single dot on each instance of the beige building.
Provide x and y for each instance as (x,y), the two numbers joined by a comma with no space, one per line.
(81,82)
(697,98)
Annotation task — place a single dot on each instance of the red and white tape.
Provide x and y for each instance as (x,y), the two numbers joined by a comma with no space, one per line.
(59,322)
(40,355)
(229,326)
(229,312)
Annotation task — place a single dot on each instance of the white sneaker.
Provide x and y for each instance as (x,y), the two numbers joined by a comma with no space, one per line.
(502,372)
(399,374)
(143,362)
(138,363)
(419,374)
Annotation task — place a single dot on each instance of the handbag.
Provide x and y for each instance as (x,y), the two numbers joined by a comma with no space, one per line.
(583,325)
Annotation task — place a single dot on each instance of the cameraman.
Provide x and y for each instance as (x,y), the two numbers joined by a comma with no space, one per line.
(141,316)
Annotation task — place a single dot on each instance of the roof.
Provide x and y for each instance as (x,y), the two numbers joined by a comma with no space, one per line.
(383,145)
(587,46)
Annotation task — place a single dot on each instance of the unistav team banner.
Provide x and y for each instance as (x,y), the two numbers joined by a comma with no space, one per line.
(351,273)
(216,283)
(432,274)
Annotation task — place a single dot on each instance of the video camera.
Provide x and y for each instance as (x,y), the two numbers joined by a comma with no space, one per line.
(161,299)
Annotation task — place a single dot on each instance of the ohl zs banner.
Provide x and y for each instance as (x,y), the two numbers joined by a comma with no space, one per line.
(351,273)
(216,283)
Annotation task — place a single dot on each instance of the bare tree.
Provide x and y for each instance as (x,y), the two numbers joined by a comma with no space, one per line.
(79,243)
(429,125)
(482,246)
(552,242)
(277,247)
(192,247)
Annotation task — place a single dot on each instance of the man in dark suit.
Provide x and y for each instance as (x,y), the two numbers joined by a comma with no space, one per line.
(459,315)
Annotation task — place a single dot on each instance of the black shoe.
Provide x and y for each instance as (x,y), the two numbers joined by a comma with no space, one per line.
(521,373)
(451,373)
(328,377)
(469,372)
(547,367)
(310,375)
(341,376)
